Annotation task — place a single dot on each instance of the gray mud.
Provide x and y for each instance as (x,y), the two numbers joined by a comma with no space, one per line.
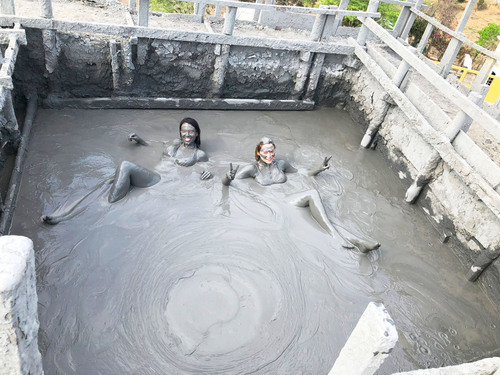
(190,277)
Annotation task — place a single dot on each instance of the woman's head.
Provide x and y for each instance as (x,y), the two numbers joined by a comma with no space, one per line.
(189,131)
(265,150)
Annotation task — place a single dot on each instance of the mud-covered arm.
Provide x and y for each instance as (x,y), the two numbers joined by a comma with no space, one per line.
(324,166)
(133,137)
(286,166)
(245,172)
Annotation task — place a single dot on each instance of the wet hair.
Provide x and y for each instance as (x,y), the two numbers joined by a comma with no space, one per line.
(263,141)
(194,123)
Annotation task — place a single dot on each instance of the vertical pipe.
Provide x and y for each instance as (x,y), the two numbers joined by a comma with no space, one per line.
(363,33)
(46,8)
(229,20)
(143,12)
(402,70)
(314,75)
(15,178)
(317,30)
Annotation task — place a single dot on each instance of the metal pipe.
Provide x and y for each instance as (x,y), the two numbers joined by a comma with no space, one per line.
(15,178)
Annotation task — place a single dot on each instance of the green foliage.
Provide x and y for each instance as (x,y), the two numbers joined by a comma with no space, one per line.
(170,6)
(417,30)
(445,12)
(488,36)
(481,5)
(389,12)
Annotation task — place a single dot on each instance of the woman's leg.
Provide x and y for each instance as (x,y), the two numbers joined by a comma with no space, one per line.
(130,174)
(312,200)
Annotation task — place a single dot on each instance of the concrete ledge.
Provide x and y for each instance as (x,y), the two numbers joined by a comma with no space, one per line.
(488,366)
(370,343)
(19,353)
(178,103)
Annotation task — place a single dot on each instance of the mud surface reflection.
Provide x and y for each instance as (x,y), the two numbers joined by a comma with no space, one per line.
(190,277)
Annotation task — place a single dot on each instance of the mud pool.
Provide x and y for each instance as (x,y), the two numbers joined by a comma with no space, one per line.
(190,277)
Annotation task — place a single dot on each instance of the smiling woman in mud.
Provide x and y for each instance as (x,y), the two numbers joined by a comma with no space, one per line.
(267,170)
(185,151)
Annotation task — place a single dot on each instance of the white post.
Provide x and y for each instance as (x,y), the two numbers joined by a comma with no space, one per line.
(370,343)
(19,353)
(143,12)
(363,33)
(229,20)
(46,8)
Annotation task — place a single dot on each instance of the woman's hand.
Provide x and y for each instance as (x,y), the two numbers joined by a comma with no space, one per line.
(324,166)
(133,137)
(230,175)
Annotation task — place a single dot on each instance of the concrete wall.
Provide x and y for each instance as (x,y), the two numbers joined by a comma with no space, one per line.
(447,199)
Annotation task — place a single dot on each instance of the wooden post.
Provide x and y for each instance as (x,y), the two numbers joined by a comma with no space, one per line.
(143,12)
(363,33)
(229,20)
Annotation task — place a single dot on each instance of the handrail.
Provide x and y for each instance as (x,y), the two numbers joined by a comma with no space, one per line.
(176,35)
(437,140)
(287,8)
(459,36)
(475,112)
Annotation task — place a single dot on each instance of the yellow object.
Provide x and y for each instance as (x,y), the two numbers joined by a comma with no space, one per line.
(467,76)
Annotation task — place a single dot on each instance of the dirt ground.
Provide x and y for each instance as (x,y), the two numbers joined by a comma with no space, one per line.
(479,18)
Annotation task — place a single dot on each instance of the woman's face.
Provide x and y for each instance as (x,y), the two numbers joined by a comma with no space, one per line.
(188,134)
(267,153)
